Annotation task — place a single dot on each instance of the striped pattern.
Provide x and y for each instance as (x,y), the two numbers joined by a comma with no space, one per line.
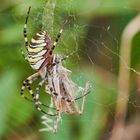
(40,50)
(27,84)
(25,31)
(40,47)
(57,38)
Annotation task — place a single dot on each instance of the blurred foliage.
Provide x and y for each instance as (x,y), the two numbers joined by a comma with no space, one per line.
(18,119)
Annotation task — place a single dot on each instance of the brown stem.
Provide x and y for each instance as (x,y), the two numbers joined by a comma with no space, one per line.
(123,80)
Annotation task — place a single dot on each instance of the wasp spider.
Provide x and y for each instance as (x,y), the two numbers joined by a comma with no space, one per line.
(53,75)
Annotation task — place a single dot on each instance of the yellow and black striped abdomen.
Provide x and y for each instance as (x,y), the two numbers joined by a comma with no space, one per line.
(39,50)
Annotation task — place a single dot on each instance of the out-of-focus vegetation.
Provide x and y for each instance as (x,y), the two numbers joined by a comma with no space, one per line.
(94,28)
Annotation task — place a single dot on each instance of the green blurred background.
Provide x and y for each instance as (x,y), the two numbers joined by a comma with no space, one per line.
(91,23)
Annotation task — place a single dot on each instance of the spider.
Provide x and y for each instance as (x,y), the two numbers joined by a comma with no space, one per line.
(52,73)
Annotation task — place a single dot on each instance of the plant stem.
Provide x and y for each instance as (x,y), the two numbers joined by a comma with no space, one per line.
(123,80)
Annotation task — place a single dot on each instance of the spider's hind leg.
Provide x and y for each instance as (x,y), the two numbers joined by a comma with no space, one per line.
(27,84)
(37,96)
(37,102)
(25,36)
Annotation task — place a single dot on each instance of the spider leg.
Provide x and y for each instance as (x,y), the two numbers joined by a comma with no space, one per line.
(37,102)
(25,30)
(37,94)
(27,83)
(59,35)
(25,36)
(57,38)
(40,103)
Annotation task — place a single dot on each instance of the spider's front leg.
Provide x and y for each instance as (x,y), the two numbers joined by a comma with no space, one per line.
(25,36)
(59,35)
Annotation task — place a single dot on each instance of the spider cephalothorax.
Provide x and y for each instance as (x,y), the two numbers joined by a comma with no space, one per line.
(56,78)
